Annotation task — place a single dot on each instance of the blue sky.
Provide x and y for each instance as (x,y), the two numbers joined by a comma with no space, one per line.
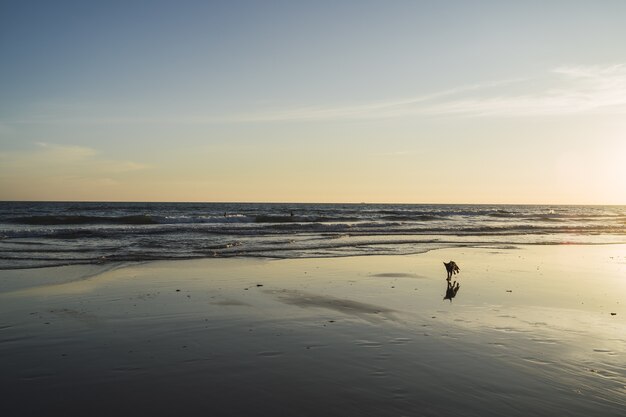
(313,101)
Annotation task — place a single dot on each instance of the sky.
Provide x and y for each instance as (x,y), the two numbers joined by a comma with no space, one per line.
(328,101)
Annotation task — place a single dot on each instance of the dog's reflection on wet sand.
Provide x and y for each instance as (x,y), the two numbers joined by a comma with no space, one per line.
(451,290)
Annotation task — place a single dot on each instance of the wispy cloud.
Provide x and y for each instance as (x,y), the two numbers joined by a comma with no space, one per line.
(568,90)
(375,109)
(573,90)
(64,161)
(51,172)
(364,110)
(577,90)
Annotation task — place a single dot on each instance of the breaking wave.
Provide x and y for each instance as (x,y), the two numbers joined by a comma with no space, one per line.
(45,234)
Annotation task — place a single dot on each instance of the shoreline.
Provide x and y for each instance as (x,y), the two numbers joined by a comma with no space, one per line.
(65,264)
(451,245)
(43,235)
(367,335)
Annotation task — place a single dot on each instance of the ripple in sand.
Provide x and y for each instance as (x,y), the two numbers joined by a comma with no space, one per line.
(198,360)
(127,369)
(16,339)
(368,343)
(604,373)
(316,346)
(379,374)
(538,361)
(35,377)
(400,341)
(510,330)
(609,351)
(396,275)
(270,353)
(382,356)
(230,302)
(544,341)
(399,393)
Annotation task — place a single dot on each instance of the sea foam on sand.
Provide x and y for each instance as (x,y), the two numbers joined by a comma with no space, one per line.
(533,330)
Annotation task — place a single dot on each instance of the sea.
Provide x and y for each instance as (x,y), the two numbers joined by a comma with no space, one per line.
(43,234)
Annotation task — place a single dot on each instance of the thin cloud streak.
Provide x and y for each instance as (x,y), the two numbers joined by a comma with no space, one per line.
(581,90)
(54,158)
(377,109)
(586,90)
(574,90)
(381,109)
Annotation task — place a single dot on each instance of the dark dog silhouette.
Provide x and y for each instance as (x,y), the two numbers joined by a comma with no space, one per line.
(452,268)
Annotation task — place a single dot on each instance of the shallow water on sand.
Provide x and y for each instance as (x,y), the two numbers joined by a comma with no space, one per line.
(530,332)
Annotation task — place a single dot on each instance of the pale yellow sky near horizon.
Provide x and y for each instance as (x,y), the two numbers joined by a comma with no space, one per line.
(575,175)
(450,102)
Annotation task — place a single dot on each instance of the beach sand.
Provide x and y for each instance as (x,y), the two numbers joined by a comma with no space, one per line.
(533,330)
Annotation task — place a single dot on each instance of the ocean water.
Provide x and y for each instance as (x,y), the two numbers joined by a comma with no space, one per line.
(39,234)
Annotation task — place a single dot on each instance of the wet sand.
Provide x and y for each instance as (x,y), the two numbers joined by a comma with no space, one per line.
(533,330)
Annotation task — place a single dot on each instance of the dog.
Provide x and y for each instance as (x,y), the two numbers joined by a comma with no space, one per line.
(452,268)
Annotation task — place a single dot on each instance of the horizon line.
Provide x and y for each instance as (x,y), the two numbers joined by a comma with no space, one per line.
(302,203)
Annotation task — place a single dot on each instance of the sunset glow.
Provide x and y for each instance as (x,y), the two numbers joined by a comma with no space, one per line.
(414,103)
